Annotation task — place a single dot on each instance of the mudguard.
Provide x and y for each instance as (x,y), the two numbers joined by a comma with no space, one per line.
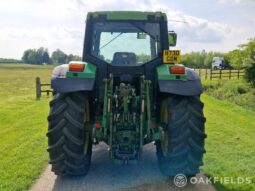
(63,81)
(186,85)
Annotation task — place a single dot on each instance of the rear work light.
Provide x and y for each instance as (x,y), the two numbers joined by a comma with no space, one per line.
(177,70)
(74,67)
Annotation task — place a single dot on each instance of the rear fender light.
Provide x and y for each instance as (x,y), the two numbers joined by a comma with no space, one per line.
(75,67)
(177,70)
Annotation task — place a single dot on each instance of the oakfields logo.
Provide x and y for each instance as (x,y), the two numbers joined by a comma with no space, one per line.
(180,180)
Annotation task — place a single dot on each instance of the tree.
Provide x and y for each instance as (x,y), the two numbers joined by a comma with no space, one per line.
(143,58)
(250,74)
(59,57)
(235,58)
(244,56)
(72,57)
(248,52)
(46,57)
(10,60)
(194,59)
(249,60)
(25,56)
(33,56)
(199,59)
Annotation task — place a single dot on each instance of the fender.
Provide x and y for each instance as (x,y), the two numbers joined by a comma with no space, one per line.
(64,81)
(188,84)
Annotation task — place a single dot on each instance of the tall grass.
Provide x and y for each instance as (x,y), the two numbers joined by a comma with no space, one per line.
(235,91)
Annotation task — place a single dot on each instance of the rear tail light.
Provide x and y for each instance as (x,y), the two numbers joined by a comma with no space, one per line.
(97,125)
(74,67)
(177,70)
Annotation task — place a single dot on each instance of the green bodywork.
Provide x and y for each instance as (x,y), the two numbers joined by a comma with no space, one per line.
(126,15)
(164,74)
(125,114)
(89,72)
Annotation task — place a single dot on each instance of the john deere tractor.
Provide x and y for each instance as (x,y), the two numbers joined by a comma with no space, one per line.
(128,91)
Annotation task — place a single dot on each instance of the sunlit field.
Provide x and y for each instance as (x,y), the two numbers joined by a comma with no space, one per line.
(23,125)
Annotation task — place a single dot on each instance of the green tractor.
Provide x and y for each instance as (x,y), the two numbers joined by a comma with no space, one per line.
(128,91)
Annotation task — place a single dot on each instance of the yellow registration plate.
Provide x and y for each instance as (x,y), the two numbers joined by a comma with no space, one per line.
(171,56)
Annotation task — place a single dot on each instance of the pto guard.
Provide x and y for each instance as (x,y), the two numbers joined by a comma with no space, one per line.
(62,83)
(191,86)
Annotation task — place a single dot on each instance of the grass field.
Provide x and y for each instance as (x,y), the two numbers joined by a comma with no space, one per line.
(230,144)
(23,124)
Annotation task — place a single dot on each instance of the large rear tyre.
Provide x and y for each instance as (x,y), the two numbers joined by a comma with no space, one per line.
(69,142)
(182,146)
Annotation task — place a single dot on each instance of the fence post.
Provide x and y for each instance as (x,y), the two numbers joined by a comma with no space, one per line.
(230,74)
(238,73)
(220,73)
(210,74)
(38,88)
(199,72)
(206,73)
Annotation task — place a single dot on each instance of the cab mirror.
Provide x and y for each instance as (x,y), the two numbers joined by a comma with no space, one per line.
(172,38)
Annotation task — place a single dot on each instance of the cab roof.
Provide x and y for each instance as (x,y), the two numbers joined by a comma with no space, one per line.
(125,15)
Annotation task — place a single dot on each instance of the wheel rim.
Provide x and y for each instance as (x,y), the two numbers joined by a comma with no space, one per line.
(164,132)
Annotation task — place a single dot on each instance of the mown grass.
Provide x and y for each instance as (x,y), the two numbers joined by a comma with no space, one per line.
(230,143)
(23,126)
(232,130)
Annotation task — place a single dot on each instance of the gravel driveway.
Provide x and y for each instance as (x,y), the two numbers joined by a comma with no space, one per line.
(105,176)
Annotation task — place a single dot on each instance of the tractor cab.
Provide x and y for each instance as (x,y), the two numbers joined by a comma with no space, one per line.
(126,42)
(126,45)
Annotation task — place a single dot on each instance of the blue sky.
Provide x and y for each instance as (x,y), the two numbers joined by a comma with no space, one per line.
(213,25)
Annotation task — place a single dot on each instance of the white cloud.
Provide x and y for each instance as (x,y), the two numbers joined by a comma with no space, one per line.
(197,29)
(60,24)
(20,39)
(236,1)
(198,34)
